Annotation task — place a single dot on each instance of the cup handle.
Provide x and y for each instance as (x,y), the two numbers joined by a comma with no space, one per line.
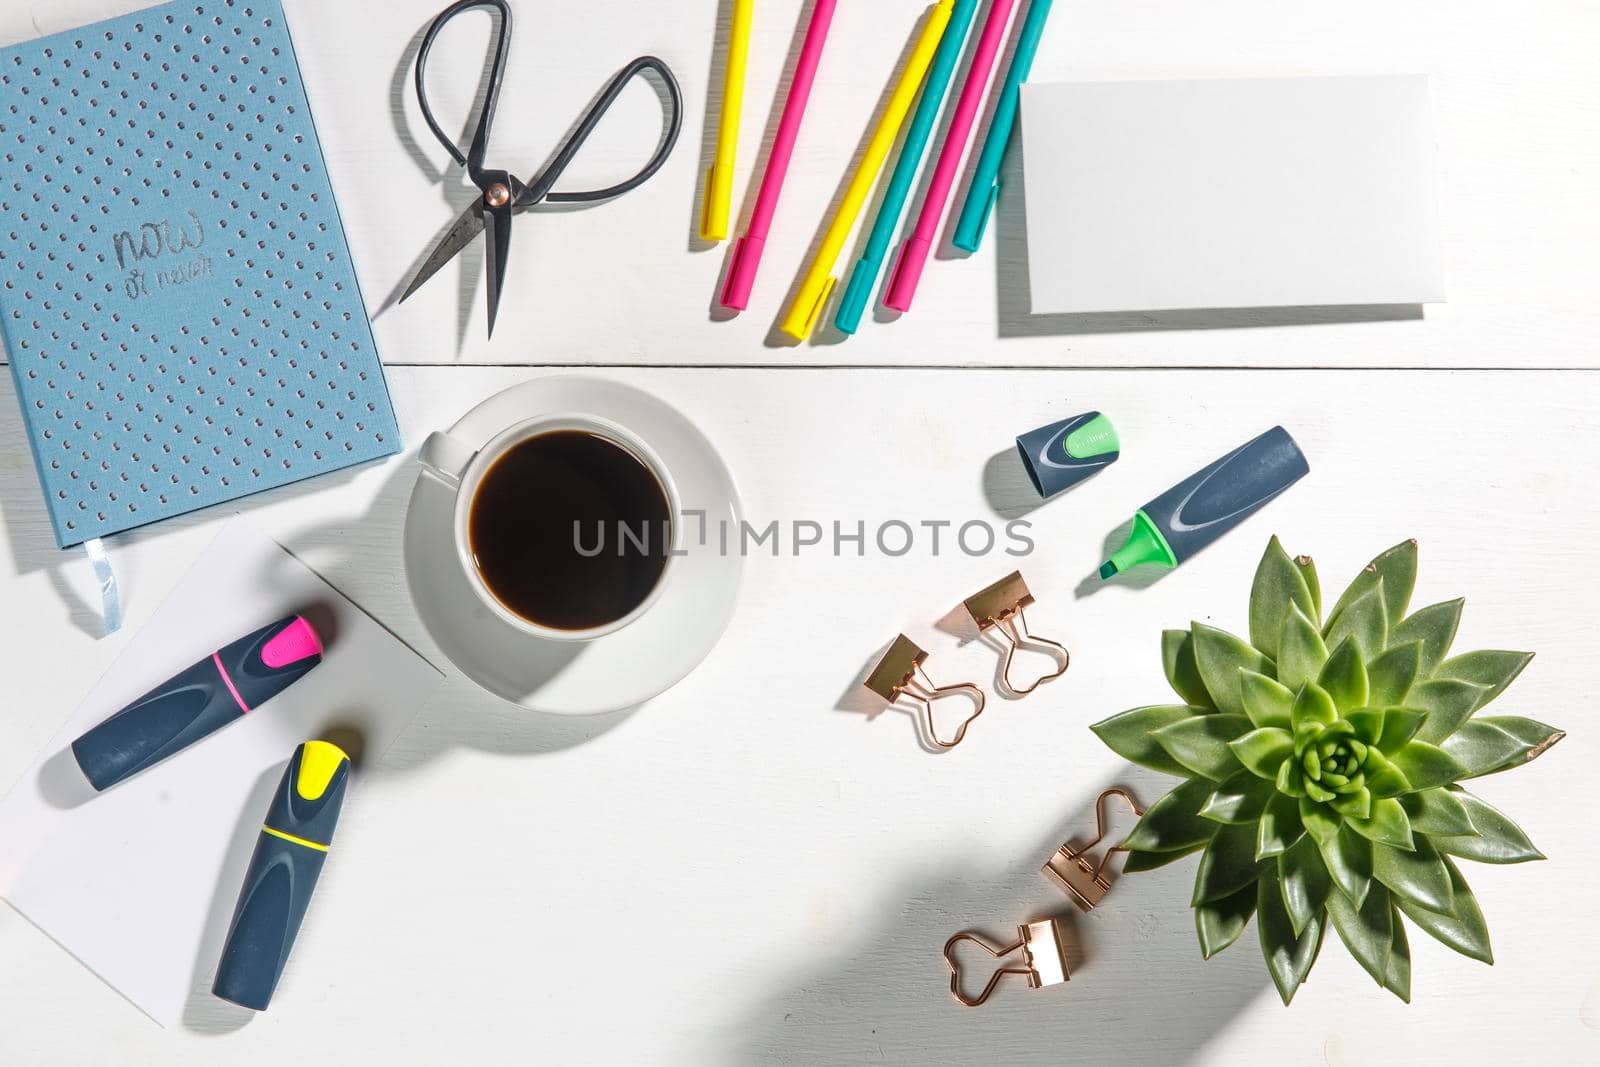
(445,458)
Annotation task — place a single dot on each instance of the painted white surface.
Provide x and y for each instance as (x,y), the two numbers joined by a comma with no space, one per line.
(751,869)
(742,873)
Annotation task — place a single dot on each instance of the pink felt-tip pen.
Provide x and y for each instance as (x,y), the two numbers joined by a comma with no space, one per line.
(914,253)
(747,250)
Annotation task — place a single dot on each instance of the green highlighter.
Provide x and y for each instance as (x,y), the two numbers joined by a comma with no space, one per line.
(1062,454)
(1210,502)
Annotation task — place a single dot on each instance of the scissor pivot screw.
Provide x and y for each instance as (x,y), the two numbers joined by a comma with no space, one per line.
(497,195)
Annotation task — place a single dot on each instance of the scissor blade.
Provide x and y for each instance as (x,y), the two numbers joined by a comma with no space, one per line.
(458,236)
(498,221)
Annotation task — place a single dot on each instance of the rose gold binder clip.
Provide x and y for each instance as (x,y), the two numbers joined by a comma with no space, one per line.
(999,608)
(1070,869)
(899,674)
(1044,958)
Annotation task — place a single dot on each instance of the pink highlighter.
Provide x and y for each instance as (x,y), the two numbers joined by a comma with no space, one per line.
(747,250)
(224,686)
(914,253)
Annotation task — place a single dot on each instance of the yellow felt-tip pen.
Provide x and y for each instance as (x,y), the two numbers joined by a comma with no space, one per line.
(819,280)
(718,203)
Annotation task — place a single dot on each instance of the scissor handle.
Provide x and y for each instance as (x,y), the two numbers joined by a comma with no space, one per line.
(472,159)
(539,188)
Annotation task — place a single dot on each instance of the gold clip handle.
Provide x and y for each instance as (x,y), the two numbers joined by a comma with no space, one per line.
(996,952)
(1044,958)
(925,693)
(1014,628)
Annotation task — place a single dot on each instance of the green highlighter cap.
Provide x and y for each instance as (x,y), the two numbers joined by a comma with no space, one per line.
(1062,454)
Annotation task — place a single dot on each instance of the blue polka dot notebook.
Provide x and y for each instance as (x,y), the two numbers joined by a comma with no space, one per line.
(177,299)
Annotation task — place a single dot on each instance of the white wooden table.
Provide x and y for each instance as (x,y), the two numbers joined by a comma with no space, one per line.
(750,868)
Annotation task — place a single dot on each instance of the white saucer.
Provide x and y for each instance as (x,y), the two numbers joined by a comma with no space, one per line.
(618,670)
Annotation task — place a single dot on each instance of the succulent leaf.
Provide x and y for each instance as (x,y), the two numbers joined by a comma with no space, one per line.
(1438,811)
(1241,799)
(1278,583)
(1280,826)
(1465,931)
(1417,875)
(1183,674)
(1149,861)
(1262,751)
(1220,657)
(1266,702)
(1348,857)
(1426,766)
(1387,825)
(1173,823)
(1447,703)
(1130,734)
(1398,568)
(1220,922)
(1498,839)
(1291,779)
(1435,626)
(1383,778)
(1306,882)
(1367,929)
(1301,652)
(1495,743)
(1289,952)
(1368,723)
(1389,677)
(1400,725)
(1313,707)
(1308,571)
(1227,865)
(1201,743)
(1364,621)
(1494,669)
(1344,676)
(1355,807)
(1397,975)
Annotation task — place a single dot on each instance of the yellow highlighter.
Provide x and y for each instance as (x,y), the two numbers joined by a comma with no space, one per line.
(819,280)
(719,179)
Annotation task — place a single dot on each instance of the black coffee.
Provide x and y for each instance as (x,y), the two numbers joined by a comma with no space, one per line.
(570,530)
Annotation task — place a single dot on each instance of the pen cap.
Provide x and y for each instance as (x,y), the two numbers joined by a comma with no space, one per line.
(1062,454)
(263,664)
(308,799)
(290,851)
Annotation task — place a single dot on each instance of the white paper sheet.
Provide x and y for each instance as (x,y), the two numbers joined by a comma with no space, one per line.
(139,882)
(1230,193)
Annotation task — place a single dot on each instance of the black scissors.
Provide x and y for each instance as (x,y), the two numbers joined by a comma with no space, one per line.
(503,194)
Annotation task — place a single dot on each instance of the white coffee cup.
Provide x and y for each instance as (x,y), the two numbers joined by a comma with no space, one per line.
(462,468)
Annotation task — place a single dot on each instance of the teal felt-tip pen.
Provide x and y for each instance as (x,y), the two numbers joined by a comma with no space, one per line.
(985,189)
(1210,502)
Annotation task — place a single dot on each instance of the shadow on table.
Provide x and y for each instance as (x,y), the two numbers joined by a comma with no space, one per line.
(364,559)
(458,715)
(1140,994)
(1013,289)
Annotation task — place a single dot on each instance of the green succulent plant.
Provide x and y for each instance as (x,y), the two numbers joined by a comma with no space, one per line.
(1322,760)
